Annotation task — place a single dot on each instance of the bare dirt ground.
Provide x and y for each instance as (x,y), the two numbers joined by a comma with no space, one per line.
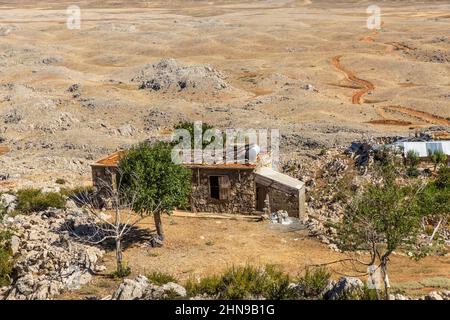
(197,247)
(269,55)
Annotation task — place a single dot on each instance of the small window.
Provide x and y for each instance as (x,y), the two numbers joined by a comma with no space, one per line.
(219,187)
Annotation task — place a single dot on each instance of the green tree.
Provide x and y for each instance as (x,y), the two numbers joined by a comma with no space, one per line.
(382,219)
(412,160)
(190,127)
(435,199)
(437,157)
(157,184)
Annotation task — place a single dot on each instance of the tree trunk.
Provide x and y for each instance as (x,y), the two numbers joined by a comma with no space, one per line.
(387,285)
(158,225)
(119,256)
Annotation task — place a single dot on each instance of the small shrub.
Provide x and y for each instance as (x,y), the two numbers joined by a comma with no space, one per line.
(6,258)
(436,282)
(33,200)
(314,282)
(208,285)
(160,278)
(77,191)
(243,283)
(125,272)
(443,178)
(412,159)
(412,172)
(369,294)
(60,181)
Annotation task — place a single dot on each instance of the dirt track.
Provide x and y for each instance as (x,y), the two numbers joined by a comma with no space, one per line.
(364,85)
(420,115)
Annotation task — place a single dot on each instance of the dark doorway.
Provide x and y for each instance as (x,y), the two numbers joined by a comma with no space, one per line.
(261,193)
(214,188)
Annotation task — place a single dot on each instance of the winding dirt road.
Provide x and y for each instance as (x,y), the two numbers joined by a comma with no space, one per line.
(363,85)
(420,115)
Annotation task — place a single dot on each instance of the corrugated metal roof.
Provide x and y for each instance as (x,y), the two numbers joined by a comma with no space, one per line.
(421,148)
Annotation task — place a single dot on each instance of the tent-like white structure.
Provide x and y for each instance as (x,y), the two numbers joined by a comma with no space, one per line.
(423,148)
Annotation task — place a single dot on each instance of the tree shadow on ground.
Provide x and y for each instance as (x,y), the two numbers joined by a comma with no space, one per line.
(93,234)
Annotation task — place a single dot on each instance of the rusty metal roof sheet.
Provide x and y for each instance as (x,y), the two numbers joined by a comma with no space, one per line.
(113,159)
(110,161)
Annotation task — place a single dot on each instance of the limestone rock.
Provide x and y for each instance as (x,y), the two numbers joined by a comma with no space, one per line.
(48,260)
(131,289)
(141,289)
(345,287)
(8,201)
(166,291)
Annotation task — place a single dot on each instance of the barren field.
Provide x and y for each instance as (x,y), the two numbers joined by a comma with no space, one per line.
(309,68)
(196,247)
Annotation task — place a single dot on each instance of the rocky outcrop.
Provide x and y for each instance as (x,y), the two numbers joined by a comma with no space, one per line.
(8,202)
(344,289)
(141,289)
(48,260)
(437,295)
(170,74)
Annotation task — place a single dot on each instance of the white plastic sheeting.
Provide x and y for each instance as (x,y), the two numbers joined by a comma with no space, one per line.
(421,148)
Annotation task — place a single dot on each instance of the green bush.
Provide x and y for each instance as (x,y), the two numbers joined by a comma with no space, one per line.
(412,172)
(160,278)
(77,191)
(243,283)
(314,282)
(369,294)
(412,159)
(6,258)
(124,272)
(189,126)
(60,181)
(33,200)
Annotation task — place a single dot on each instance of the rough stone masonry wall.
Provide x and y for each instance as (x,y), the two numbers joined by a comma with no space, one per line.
(282,201)
(292,203)
(102,175)
(241,198)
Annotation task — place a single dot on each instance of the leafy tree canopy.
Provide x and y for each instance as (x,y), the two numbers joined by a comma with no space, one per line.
(158,185)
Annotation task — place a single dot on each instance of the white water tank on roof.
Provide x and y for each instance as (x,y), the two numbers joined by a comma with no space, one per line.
(253,151)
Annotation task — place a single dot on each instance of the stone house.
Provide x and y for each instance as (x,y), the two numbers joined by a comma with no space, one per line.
(241,188)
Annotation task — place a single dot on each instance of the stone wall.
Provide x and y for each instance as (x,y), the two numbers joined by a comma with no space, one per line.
(241,195)
(292,203)
(103,175)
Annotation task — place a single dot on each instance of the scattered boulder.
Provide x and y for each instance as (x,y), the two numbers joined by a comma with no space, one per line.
(309,87)
(167,291)
(141,289)
(437,295)
(8,201)
(131,289)
(344,288)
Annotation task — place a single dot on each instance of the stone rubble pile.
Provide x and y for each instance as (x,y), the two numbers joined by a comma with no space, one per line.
(48,260)
(170,74)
